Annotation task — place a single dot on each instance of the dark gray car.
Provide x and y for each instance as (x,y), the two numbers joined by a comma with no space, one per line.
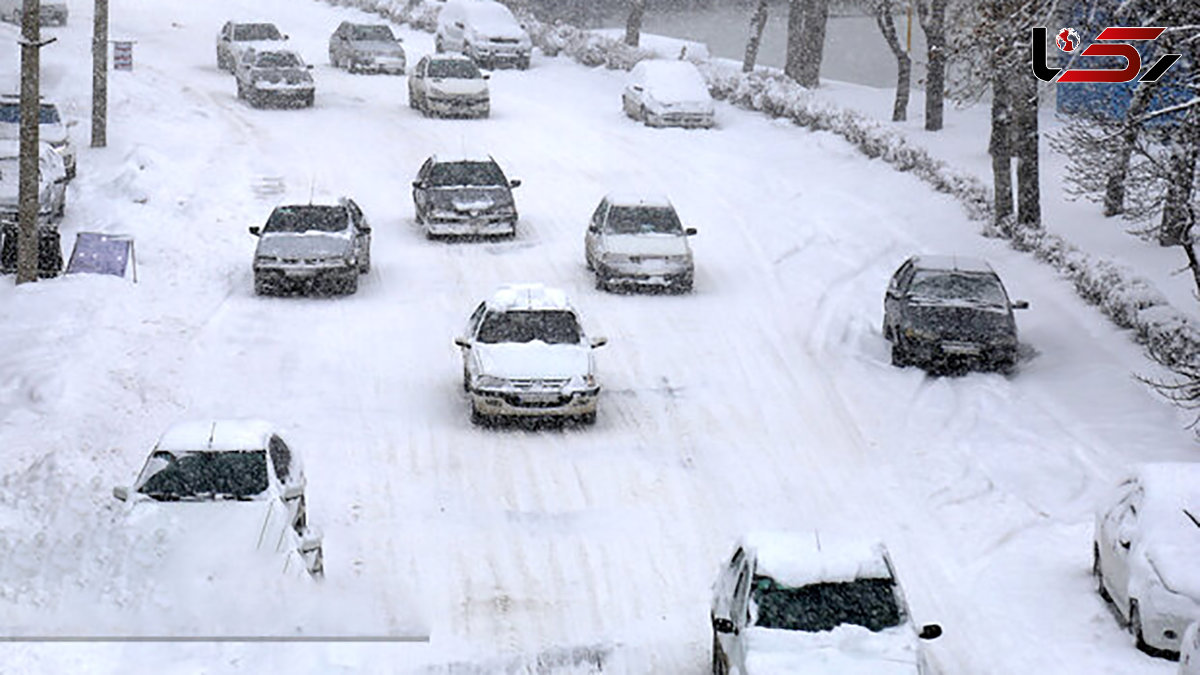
(949,312)
(366,48)
(464,197)
(321,247)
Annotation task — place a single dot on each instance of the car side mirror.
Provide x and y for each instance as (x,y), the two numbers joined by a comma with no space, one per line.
(487,76)
(691,231)
(121,493)
(255,230)
(462,342)
(287,37)
(723,625)
(1020,304)
(364,228)
(293,491)
(418,185)
(516,182)
(930,631)
(599,342)
(637,87)
(459,24)
(1125,544)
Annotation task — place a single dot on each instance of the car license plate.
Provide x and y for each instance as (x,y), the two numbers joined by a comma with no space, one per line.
(960,348)
(549,397)
(301,273)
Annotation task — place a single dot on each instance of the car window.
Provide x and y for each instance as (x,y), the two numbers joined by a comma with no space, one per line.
(549,326)
(473,322)
(454,68)
(10,113)
(598,214)
(307,218)
(452,174)
(952,285)
(281,458)
(256,31)
(203,475)
(642,220)
(870,603)
(378,33)
(277,60)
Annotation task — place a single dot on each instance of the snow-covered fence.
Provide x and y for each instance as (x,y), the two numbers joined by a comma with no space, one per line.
(1130,301)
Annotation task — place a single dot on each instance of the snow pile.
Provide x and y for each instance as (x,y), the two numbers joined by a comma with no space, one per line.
(798,560)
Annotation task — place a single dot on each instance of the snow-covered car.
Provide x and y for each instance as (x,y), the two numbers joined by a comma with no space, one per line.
(51,128)
(637,240)
(278,76)
(1189,651)
(526,355)
(49,13)
(950,312)
(485,31)
(52,182)
(319,245)
(367,48)
(1145,553)
(237,37)
(798,604)
(226,494)
(464,197)
(668,93)
(449,85)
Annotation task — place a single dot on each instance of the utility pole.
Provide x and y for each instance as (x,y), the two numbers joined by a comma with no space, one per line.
(100,76)
(27,196)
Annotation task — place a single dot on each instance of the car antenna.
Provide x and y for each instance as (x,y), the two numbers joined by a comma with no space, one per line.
(817,535)
(312,183)
(211,433)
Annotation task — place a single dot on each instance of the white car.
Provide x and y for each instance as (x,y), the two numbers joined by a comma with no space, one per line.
(51,128)
(793,603)
(485,31)
(1145,553)
(666,93)
(237,37)
(637,240)
(1189,652)
(449,85)
(52,182)
(212,487)
(525,355)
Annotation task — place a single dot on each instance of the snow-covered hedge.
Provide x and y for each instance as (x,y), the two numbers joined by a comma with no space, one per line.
(1129,300)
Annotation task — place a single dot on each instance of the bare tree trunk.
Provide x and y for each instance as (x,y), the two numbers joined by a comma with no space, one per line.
(757,23)
(1000,147)
(1025,108)
(933,23)
(27,180)
(633,25)
(812,46)
(1179,209)
(886,22)
(794,63)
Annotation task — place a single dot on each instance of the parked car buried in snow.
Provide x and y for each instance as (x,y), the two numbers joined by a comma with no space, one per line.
(279,76)
(525,355)
(228,495)
(950,312)
(319,246)
(449,85)
(666,93)
(1145,553)
(637,240)
(366,48)
(51,128)
(236,38)
(485,31)
(790,603)
(51,182)
(464,197)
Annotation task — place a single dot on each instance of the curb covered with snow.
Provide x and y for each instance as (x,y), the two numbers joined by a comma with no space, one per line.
(1129,300)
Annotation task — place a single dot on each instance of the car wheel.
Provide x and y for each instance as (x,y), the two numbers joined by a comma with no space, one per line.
(588,418)
(479,419)
(308,100)
(642,115)
(524,64)
(720,662)
(1098,574)
(900,355)
(241,90)
(601,282)
(412,100)
(466,384)
(261,287)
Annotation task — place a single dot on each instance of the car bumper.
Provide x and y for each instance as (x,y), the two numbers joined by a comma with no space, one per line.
(284,93)
(655,276)
(961,354)
(500,57)
(535,404)
(307,278)
(467,227)
(463,107)
(685,120)
(1165,616)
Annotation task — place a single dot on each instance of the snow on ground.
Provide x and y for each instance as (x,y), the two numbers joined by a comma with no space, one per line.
(764,400)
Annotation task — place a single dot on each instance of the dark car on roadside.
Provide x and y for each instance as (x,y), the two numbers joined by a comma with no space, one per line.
(321,245)
(950,313)
(366,48)
(464,197)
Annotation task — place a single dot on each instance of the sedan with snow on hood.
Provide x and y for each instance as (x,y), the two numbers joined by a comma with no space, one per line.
(800,605)
(279,76)
(525,355)
(637,240)
(223,498)
(464,197)
(1145,554)
(484,30)
(449,85)
(237,37)
(313,246)
(950,312)
(366,48)
(666,93)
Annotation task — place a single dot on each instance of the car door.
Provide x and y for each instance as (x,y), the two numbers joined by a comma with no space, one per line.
(223,41)
(592,239)
(1119,530)
(416,82)
(472,329)
(362,233)
(893,301)
(740,613)
(421,190)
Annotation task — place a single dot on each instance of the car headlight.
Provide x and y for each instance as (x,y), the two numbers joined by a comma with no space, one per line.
(913,333)
(490,382)
(266,259)
(679,259)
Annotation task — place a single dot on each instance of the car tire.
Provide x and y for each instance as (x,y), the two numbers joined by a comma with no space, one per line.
(261,287)
(412,100)
(241,90)
(466,383)
(479,419)
(720,662)
(350,285)
(588,418)
(310,99)
(900,355)
(523,64)
(1098,574)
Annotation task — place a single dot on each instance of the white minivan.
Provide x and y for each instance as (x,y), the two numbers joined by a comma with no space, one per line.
(485,31)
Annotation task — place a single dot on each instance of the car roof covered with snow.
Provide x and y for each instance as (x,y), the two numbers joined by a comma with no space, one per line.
(528,297)
(799,559)
(220,435)
(955,263)
(465,156)
(671,80)
(651,199)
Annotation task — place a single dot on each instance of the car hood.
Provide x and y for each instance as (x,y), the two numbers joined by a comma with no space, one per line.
(533,360)
(378,48)
(646,244)
(508,31)
(962,321)
(454,86)
(845,650)
(469,199)
(305,245)
(1176,566)
(659,102)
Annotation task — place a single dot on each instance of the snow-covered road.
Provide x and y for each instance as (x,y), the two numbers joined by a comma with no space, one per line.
(763,400)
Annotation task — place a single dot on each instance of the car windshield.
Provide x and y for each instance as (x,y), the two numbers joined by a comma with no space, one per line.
(454,68)
(870,603)
(276,60)
(191,475)
(643,220)
(256,31)
(373,34)
(307,219)
(984,289)
(10,113)
(453,174)
(549,326)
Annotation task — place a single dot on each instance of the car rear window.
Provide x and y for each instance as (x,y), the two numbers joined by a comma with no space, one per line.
(256,31)
(449,174)
(870,603)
